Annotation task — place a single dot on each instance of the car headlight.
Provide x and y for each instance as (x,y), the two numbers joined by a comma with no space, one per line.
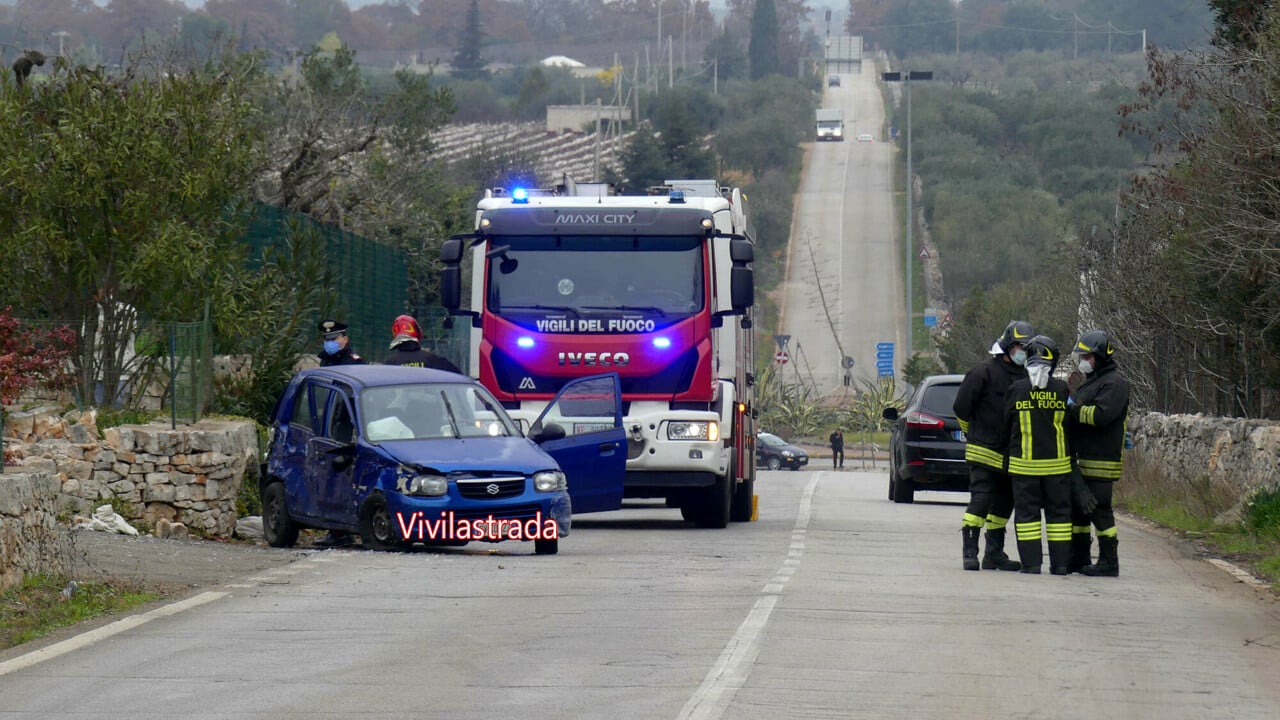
(429,485)
(702,430)
(788,454)
(550,481)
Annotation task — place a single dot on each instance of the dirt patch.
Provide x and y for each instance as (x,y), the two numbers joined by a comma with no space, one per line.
(171,566)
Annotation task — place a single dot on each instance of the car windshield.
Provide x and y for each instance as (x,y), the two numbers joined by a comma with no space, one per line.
(596,283)
(770,440)
(828,123)
(428,411)
(939,400)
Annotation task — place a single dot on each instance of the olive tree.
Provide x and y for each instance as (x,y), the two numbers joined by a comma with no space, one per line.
(119,196)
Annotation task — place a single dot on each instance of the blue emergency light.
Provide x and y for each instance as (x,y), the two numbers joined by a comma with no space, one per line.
(519,195)
(525,342)
(676,197)
(662,343)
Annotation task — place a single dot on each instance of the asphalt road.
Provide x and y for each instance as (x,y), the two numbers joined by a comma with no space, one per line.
(836,603)
(844,276)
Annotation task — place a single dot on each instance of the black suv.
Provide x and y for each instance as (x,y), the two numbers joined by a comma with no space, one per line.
(926,445)
(775,453)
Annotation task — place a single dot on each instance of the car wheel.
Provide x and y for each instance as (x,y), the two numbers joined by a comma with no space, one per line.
(689,512)
(277,527)
(546,547)
(901,490)
(743,497)
(775,463)
(377,528)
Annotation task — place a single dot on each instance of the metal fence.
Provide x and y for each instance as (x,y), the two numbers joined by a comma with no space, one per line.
(371,279)
(122,361)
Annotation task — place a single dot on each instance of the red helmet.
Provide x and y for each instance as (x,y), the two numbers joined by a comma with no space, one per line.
(406,326)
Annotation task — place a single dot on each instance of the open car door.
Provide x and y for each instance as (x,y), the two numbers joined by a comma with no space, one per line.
(593,450)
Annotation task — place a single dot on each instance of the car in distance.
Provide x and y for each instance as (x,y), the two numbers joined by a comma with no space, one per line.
(833,81)
(402,454)
(926,445)
(775,453)
(866,138)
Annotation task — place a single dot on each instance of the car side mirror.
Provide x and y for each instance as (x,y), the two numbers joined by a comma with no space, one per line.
(548,432)
(890,413)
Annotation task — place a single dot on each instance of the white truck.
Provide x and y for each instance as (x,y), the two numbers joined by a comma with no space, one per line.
(830,124)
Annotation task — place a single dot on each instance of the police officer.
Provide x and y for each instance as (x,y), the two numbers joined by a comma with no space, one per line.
(337,345)
(406,347)
(979,406)
(1038,440)
(337,351)
(1099,407)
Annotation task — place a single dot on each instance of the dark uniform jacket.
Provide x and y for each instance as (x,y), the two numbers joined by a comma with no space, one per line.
(1037,429)
(1100,409)
(345,356)
(979,407)
(410,353)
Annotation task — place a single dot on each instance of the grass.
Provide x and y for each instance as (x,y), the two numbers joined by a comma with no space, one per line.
(1193,506)
(35,608)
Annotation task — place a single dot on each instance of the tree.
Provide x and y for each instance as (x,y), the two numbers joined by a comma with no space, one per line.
(763,48)
(467,63)
(121,194)
(31,356)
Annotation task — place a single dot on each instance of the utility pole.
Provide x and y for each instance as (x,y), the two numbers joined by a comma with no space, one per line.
(907,77)
(61,35)
(595,162)
(671,63)
(1075,38)
(715,76)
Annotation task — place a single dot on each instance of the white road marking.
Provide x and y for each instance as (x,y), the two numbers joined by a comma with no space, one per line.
(88,638)
(730,672)
(1237,572)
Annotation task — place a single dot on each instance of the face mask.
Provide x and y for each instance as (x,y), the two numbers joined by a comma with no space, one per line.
(332,347)
(1019,357)
(1086,367)
(1039,375)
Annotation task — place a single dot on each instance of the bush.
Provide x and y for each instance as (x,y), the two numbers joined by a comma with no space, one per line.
(1262,513)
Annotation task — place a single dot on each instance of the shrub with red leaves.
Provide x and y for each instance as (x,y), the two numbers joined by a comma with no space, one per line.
(32,356)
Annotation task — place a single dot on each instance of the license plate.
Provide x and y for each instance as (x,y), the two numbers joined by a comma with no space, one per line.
(958,434)
(580,428)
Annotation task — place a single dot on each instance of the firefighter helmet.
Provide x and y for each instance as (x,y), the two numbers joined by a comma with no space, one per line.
(1096,343)
(405,328)
(1042,350)
(1017,332)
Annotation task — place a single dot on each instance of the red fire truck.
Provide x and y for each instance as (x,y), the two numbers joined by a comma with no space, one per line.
(658,288)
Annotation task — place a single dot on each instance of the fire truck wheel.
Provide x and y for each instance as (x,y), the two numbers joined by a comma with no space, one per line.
(715,508)
(740,511)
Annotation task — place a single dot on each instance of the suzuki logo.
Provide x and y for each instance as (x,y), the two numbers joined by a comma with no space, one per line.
(526,383)
(492,488)
(613,359)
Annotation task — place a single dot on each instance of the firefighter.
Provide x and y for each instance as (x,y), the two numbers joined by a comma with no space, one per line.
(1099,407)
(337,345)
(1038,440)
(406,347)
(979,406)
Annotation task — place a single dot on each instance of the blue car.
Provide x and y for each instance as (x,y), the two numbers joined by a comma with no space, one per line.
(402,455)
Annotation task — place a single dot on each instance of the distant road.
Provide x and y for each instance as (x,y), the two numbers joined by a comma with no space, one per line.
(845,213)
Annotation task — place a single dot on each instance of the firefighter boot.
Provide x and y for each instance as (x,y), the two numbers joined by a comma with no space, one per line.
(995,557)
(1108,564)
(1031,553)
(970,535)
(1060,557)
(1081,549)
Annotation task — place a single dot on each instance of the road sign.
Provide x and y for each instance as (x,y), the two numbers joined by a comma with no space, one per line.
(931,321)
(924,253)
(882,363)
(782,341)
(781,357)
(884,355)
(884,372)
(884,346)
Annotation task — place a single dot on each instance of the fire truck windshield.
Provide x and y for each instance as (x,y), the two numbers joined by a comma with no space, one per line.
(659,278)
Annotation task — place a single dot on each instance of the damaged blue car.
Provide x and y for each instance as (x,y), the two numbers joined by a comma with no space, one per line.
(404,455)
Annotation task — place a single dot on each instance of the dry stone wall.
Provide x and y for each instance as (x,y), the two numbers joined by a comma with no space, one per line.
(31,540)
(191,474)
(1236,455)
